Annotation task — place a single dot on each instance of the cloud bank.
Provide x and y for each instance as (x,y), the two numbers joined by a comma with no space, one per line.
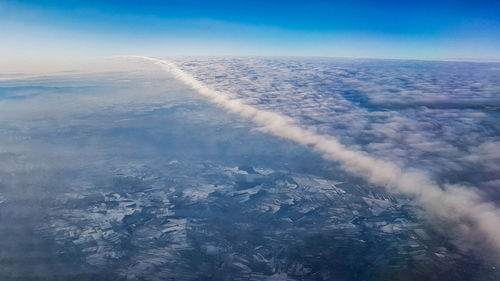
(457,204)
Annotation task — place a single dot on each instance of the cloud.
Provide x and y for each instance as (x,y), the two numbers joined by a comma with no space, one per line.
(458,204)
(486,155)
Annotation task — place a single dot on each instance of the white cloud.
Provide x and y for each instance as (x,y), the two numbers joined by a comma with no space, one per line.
(458,204)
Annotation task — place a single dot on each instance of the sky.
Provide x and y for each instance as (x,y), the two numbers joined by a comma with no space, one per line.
(59,30)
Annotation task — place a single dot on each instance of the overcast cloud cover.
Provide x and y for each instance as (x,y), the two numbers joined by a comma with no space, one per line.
(416,146)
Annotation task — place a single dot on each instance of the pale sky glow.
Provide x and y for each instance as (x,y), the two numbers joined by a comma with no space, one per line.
(42,32)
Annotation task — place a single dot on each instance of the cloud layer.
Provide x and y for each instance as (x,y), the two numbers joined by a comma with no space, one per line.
(457,204)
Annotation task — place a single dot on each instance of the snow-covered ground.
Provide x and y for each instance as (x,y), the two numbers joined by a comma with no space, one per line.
(132,175)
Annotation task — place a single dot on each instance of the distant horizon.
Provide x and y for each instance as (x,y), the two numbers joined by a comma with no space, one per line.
(51,67)
(424,30)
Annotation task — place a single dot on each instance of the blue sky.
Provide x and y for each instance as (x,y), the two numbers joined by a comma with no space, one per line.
(380,29)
